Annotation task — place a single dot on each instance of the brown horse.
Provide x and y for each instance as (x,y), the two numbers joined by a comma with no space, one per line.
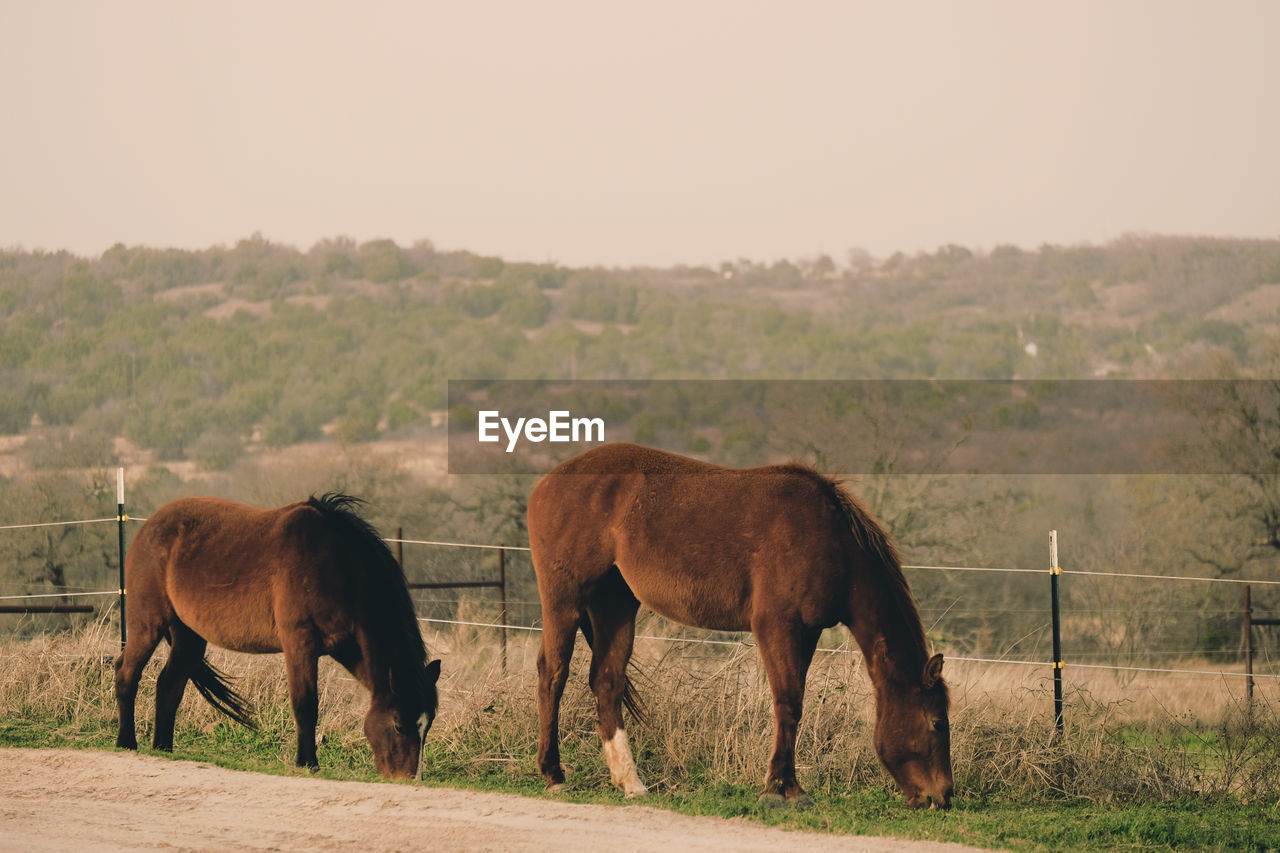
(308,579)
(782,551)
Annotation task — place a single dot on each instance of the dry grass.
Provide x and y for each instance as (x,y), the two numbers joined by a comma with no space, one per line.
(710,720)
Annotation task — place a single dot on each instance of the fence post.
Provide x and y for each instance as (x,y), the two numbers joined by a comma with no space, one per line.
(502,603)
(400,547)
(1055,571)
(121,518)
(1248,646)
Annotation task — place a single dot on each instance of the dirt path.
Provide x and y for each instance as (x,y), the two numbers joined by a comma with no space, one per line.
(88,800)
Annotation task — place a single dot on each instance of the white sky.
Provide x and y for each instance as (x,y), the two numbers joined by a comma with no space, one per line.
(644,133)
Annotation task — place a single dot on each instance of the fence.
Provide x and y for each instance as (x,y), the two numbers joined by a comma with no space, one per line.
(31,603)
(1057,665)
(500,584)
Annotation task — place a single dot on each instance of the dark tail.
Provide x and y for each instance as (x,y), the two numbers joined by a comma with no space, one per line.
(216,688)
(630,699)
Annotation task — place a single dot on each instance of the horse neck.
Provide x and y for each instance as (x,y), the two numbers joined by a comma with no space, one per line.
(377,658)
(373,672)
(386,644)
(880,619)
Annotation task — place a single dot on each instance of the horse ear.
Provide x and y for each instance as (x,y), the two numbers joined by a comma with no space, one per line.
(932,671)
(433,671)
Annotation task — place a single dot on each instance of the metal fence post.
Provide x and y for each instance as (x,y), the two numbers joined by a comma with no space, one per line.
(1248,646)
(502,603)
(1055,571)
(121,518)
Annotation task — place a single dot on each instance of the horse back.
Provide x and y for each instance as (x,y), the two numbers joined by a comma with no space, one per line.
(701,544)
(231,572)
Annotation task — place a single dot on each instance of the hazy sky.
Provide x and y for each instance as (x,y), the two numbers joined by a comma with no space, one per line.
(642,133)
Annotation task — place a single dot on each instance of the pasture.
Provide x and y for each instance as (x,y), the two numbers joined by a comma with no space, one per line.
(1158,763)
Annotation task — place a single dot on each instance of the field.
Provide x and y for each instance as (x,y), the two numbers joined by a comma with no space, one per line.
(1151,765)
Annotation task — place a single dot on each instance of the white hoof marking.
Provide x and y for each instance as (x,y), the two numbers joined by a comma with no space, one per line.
(622,767)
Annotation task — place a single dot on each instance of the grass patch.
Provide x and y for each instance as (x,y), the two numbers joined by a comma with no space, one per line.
(1121,777)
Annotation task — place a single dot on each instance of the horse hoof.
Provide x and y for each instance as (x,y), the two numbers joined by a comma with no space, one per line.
(557,788)
(803,801)
(771,800)
(637,793)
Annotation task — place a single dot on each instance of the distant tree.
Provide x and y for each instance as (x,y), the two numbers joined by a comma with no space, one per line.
(401,413)
(593,296)
(820,267)
(525,306)
(487,267)
(477,300)
(217,450)
(333,257)
(551,277)
(15,414)
(358,423)
(1237,442)
(382,261)
(60,449)
(261,268)
(859,261)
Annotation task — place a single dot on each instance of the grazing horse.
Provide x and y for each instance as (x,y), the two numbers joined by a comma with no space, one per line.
(782,551)
(308,579)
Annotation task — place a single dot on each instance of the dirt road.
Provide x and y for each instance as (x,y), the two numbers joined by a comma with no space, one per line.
(108,801)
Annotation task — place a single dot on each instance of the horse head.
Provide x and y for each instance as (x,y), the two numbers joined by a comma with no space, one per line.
(397,724)
(913,736)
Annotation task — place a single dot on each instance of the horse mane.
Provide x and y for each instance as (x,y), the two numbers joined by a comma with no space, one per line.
(871,536)
(396,623)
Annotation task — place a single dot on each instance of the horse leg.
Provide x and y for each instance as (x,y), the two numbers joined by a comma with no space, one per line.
(613,626)
(787,650)
(302,665)
(559,631)
(186,650)
(143,639)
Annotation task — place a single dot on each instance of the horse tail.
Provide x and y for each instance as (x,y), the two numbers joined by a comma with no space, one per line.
(630,698)
(215,687)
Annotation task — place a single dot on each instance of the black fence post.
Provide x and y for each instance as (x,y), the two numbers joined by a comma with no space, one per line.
(1250,621)
(1055,571)
(502,603)
(121,518)
(1248,646)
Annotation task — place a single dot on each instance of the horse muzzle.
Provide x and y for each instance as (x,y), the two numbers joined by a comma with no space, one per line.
(934,800)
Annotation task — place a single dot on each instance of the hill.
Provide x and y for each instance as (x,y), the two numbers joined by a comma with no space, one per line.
(198,355)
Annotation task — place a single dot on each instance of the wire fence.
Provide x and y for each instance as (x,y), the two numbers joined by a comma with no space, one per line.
(748,644)
(68,593)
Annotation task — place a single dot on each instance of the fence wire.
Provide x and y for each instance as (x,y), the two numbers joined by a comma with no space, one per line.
(748,644)
(706,641)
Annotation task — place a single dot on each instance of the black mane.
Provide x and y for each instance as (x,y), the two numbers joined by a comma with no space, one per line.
(385,591)
(876,541)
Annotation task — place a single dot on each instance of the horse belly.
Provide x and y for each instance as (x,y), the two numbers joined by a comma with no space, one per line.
(691,600)
(240,622)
